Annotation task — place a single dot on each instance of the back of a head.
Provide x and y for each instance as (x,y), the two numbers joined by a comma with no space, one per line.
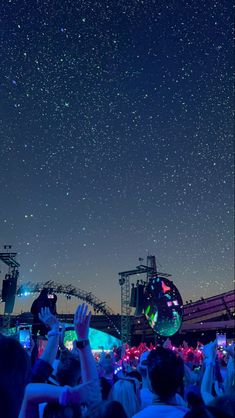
(43,294)
(206,412)
(224,405)
(55,410)
(165,372)
(194,399)
(68,370)
(108,367)
(123,391)
(105,387)
(107,409)
(199,412)
(14,374)
(134,374)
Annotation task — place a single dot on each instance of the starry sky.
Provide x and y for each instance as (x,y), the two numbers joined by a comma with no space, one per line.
(116,141)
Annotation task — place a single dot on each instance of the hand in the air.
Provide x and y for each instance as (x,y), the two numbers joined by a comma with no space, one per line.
(48,319)
(82,322)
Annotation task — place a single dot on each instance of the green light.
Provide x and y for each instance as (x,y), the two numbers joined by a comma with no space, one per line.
(97,339)
(147,310)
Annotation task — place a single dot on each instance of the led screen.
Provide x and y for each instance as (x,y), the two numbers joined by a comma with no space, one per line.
(163,306)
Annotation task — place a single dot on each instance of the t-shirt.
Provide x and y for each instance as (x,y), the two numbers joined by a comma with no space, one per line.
(146,398)
(162,411)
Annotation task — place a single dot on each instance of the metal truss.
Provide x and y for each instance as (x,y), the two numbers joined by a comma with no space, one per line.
(125,309)
(124,282)
(69,291)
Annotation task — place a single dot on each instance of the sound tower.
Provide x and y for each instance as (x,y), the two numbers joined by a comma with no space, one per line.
(139,299)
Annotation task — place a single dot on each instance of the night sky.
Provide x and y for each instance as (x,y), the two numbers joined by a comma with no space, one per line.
(116,140)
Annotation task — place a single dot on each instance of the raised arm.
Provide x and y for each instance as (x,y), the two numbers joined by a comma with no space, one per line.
(229,383)
(53,335)
(43,366)
(81,325)
(207,379)
(37,393)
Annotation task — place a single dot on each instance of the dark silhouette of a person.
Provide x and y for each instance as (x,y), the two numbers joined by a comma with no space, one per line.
(44,300)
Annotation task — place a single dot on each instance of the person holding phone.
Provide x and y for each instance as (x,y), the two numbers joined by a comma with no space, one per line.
(44,300)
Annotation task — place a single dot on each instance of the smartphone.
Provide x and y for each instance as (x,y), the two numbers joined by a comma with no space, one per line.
(221,340)
(50,296)
(25,338)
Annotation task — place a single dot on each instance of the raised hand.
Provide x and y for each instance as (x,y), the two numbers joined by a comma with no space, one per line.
(209,350)
(62,333)
(82,322)
(48,319)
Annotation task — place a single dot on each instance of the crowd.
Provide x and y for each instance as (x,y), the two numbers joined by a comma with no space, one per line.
(140,382)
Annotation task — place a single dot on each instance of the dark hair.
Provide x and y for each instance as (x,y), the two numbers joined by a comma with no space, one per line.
(206,412)
(69,369)
(55,410)
(194,399)
(43,294)
(165,371)
(224,405)
(107,409)
(190,356)
(105,388)
(135,374)
(14,375)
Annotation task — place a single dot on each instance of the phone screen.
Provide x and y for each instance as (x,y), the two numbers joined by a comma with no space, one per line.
(24,336)
(50,296)
(221,340)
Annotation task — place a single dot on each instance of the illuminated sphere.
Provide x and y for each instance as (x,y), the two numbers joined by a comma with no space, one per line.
(163,306)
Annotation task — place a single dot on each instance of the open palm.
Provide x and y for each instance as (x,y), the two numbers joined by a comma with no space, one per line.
(82,322)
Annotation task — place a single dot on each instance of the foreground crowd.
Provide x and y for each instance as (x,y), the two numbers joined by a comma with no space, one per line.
(139,382)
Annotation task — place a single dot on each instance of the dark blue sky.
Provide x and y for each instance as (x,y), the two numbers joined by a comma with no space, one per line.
(117,140)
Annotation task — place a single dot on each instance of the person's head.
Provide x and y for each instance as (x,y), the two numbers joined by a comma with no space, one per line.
(206,412)
(134,374)
(165,372)
(190,356)
(43,294)
(107,409)
(199,412)
(193,397)
(224,405)
(14,375)
(55,410)
(125,392)
(105,387)
(69,369)
(107,367)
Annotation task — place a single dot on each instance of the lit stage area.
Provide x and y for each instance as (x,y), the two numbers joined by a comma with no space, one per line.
(98,339)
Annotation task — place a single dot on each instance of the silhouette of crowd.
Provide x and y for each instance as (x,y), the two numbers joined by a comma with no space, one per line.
(140,382)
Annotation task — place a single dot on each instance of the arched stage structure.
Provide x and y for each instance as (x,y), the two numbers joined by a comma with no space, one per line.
(216,313)
(68,290)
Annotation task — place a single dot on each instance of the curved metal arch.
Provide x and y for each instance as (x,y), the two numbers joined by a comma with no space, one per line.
(69,290)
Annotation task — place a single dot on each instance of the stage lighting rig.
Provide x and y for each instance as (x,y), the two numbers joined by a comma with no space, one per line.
(157,297)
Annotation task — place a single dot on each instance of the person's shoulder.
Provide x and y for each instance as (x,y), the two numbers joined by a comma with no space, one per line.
(147,412)
(166,411)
